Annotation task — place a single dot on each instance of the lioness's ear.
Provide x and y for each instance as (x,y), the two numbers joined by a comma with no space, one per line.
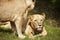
(43,14)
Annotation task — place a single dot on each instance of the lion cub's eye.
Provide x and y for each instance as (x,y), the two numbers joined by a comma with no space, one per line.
(41,20)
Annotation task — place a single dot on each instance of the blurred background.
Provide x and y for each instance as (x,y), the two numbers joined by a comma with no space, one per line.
(52,10)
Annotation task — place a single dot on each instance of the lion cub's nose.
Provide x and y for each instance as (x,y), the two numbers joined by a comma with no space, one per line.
(39,25)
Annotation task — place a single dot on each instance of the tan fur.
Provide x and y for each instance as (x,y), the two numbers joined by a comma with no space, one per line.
(16,12)
(38,19)
(5,25)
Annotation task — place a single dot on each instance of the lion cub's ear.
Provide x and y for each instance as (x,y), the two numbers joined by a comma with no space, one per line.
(30,17)
(43,14)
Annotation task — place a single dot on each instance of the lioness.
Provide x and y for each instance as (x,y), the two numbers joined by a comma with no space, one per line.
(35,26)
(16,12)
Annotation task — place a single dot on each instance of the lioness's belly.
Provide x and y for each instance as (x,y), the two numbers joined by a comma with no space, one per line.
(9,10)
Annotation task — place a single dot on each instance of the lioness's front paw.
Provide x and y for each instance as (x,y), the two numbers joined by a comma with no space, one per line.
(21,36)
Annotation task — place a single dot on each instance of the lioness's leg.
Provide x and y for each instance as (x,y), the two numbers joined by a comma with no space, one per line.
(18,23)
(13,26)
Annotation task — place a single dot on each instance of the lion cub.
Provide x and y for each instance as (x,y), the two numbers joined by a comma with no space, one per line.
(35,26)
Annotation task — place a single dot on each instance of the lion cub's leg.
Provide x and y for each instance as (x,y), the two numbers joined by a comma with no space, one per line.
(29,32)
(44,32)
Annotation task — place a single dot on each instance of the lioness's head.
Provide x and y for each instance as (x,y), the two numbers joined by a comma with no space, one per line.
(30,4)
(36,21)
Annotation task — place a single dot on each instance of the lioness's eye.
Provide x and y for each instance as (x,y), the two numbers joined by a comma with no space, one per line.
(35,20)
(33,0)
